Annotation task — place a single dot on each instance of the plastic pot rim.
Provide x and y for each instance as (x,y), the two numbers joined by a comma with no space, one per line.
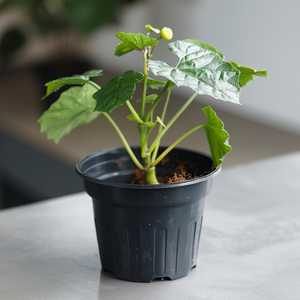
(210,175)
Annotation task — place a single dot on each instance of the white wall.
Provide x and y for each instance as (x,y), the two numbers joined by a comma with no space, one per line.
(256,33)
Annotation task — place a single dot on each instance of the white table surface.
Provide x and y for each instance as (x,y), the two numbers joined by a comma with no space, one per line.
(249,248)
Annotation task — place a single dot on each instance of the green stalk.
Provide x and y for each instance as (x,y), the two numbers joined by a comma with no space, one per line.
(126,145)
(133,111)
(142,111)
(144,146)
(152,51)
(175,117)
(150,175)
(119,132)
(156,101)
(160,125)
(143,133)
(94,84)
(175,144)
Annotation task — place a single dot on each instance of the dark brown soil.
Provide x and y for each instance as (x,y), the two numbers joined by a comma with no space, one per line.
(184,171)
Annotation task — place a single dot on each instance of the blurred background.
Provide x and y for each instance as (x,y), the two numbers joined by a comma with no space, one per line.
(41,40)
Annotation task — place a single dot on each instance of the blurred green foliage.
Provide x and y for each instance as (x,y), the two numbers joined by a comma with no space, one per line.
(81,16)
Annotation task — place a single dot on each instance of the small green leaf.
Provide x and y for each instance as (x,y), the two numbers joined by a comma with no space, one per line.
(217,137)
(73,108)
(201,70)
(117,91)
(54,85)
(93,73)
(132,118)
(155,84)
(133,41)
(204,46)
(149,98)
(158,120)
(247,74)
(150,28)
(150,124)
(122,49)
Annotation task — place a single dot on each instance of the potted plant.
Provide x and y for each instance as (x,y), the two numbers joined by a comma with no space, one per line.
(148,200)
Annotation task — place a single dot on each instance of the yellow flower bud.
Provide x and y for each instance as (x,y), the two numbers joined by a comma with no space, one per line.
(166,33)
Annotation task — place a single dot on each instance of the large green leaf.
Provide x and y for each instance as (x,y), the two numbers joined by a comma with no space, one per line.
(201,70)
(73,108)
(133,41)
(247,74)
(217,137)
(117,91)
(54,85)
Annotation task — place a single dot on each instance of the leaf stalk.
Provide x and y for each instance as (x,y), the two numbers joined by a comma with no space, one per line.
(175,144)
(124,141)
(173,119)
(144,93)
(156,101)
(160,125)
(133,111)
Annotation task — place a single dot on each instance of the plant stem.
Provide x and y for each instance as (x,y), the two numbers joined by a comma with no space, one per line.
(126,145)
(133,111)
(160,125)
(119,132)
(152,51)
(175,144)
(156,101)
(180,111)
(144,146)
(150,175)
(142,111)
(143,133)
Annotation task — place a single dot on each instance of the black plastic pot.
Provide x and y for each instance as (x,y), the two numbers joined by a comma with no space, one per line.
(146,232)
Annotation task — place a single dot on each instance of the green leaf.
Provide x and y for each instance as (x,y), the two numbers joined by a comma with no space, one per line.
(204,46)
(217,137)
(247,74)
(149,98)
(117,91)
(201,70)
(54,85)
(122,49)
(150,124)
(158,120)
(132,118)
(73,108)
(93,73)
(150,28)
(133,41)
(155,84)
